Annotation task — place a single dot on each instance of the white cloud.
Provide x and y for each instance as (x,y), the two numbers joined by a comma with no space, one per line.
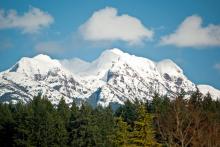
(30,22)
(191,33)
(49,47)
(107,25)
(217,66)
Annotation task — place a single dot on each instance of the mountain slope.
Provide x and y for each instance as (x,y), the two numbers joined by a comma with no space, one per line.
(204,89)
(113,77)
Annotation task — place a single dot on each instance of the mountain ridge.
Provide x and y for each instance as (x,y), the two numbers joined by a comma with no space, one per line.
(113,77)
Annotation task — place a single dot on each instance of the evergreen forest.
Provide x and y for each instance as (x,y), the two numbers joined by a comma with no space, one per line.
(162,122)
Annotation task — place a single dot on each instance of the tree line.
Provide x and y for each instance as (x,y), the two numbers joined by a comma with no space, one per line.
(162,122)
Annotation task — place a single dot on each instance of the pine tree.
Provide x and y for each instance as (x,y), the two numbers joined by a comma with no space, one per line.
(60,135)
(128,112)
(103,122)
(41,122)
(156,103)
(196,98)
(74,114)
(81,128)
(143,134)
(64,112)
(6,126)
(121,134)
(22,119)
(208,104)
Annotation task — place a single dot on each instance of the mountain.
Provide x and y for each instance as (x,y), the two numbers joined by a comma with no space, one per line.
(112,78)
(204,89)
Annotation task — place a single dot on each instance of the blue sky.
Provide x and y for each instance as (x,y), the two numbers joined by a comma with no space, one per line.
(187,32)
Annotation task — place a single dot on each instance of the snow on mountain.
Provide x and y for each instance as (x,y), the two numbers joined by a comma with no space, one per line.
(168,66)
(112,78)
(99,66)
(17,86)
(174,76)
(204,89)
(40,74)
(39,64)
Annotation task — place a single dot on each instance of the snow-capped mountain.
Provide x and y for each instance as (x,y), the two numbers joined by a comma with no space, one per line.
(112,78)
(204,89)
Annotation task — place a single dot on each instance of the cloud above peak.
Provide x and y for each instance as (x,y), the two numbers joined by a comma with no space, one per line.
(30,22)
(191,33)
(107,25)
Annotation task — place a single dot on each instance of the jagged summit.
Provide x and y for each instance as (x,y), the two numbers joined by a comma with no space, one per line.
(112,78)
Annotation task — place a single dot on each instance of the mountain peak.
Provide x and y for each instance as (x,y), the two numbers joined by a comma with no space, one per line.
(116,51)
(168,66)
(42,57)
(39,64)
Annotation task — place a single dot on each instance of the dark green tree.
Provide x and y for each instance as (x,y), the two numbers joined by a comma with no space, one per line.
(121,134)
(143,133)
(103,119)
(64,112)
(60,134)
(128,112)
(81,128)
(22,118)
(7,124)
